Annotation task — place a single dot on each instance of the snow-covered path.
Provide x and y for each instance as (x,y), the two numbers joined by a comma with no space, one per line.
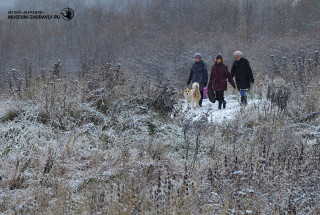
(210,110)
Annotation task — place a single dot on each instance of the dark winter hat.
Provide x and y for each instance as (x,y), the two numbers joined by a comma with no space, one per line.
(219,57)
(197,55)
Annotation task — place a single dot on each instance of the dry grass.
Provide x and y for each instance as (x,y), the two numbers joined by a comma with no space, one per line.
(91,147)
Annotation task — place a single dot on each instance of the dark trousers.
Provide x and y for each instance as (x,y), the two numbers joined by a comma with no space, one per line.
(201,93)
(220,95)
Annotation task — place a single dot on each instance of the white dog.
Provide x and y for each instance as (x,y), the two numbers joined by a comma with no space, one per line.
(192,95)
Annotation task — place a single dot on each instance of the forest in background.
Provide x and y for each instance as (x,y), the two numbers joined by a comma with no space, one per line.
(148,37)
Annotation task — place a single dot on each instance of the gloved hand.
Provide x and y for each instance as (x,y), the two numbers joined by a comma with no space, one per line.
(252,81)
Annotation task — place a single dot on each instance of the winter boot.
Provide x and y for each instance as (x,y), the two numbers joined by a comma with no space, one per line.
(224,103)
(244,100)
(220,103)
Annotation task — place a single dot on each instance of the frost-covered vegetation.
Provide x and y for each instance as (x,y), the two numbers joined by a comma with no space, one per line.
(103,142)
(105,138)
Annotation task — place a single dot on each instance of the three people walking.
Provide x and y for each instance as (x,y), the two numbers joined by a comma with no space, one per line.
(219,76)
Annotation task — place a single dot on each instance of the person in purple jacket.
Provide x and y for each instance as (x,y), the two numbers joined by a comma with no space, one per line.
(218,80)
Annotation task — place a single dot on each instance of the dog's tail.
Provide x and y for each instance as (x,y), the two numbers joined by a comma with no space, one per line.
(195,85)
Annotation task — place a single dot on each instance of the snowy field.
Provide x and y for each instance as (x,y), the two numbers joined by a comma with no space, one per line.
(104,163)
(213,114)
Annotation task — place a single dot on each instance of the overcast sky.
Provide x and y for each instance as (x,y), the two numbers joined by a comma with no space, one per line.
(4,6)
(6,3)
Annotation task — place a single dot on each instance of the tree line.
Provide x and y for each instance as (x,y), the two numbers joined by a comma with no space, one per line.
(164,33)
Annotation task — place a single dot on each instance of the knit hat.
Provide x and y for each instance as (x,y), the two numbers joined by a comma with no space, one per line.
(238,53)
(219,57)
(197,55)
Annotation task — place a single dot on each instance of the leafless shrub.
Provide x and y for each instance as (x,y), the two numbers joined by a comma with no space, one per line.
(56,71)
(279,96)
(10,115)
(301,75)
(160,96)
(62,98)
(49,164)
(18,179)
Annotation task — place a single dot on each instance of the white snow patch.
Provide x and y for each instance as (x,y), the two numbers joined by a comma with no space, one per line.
(238,173)
(241,193)
(213,114)
(250,191)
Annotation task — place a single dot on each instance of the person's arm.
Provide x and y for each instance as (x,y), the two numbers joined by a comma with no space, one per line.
(233,69)
(190,77)
(211,78)
(249,71)
(230,79)
(205,76)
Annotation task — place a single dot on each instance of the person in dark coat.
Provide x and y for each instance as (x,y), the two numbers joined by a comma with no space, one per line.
(218,80)
(242,71)
(199,73)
